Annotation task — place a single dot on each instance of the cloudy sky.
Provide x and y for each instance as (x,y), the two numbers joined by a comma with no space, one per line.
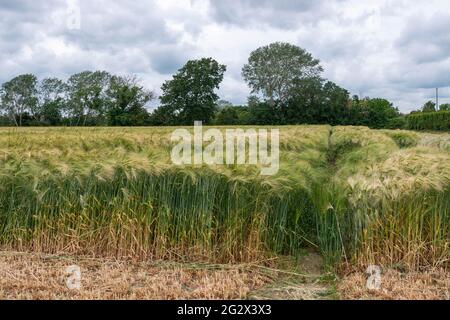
(398,49)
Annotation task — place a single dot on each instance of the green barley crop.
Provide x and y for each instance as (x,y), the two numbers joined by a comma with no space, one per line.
(357,194)
(397,199)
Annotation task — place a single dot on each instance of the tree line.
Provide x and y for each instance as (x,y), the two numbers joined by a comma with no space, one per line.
(85,99)
(286,82)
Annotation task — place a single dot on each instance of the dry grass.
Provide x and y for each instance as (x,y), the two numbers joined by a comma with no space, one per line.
(395,285)
(441,141)
(41,277)
(295,291)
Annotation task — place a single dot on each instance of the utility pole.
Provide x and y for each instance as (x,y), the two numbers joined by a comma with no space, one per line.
(437,99)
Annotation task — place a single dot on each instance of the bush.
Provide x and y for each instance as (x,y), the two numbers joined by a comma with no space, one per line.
(227,116)
(397,123)
(439,121)
(5,121)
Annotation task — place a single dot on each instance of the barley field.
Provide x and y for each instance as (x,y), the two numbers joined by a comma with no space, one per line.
(355,195)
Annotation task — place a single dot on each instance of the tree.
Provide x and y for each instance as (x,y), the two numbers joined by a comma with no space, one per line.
(397,123)
(305,103)
(430,106)
(335,105)
(262,113)
(375,113)
(273,69)
(380,112)
(227,116)
(87,95)
(444,107)
(163,116)
(126,102)
(244,116)
(222,104)
(357,111)
(19,96)
(52,99)
(190,95)
(311,100)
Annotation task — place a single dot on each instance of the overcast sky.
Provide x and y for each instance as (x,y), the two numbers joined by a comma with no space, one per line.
(398,49)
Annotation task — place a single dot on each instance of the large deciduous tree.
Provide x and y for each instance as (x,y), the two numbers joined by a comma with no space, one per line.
(305,101)
(87,95)
(52,99)
(190,95)
(336,105)
(19,96)
(126,102)
(272,70)
(380,111)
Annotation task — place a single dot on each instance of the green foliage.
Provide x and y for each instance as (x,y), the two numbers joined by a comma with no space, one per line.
(227,116)
(87,98)
(50,113)
(305,103)
(87,95)
(163,116)
(233,115)
(335,106)
(444,107)
(272,70)
(262,113)
(315,102)
(5,121)
(19,96)
(374,113)
(397,123)
(439,121)
(126,102)
(379,112)
(430,106)
(190,95)
(52,101)
(286,75)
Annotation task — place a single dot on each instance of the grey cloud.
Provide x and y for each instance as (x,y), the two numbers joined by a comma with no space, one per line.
(424,45)
(109,25)
(426,39)
(114,35)
(26,6)
(168,61)
(20,21)
(424,76)
(280,14)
